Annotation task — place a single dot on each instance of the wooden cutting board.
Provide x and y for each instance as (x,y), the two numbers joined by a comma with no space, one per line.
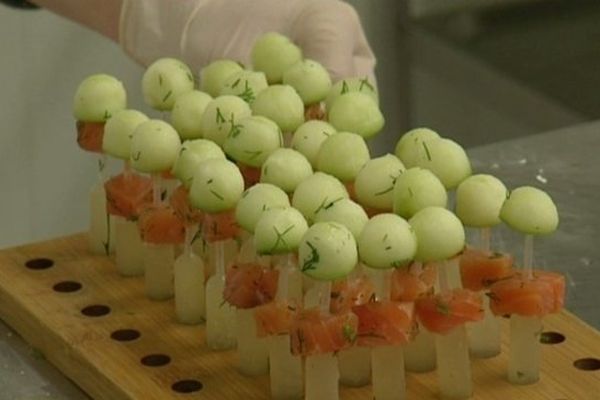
(100,331)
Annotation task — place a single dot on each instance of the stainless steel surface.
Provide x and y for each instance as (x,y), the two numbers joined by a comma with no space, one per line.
(563,162)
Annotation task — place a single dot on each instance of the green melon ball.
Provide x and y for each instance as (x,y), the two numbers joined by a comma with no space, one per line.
(279,231)
(362,85)
(310,79)
(193,153)
(440,234)
(273,54)
(316,192)
(245,84)
(447,160)
(415,189)
(118,132)
(345,212)
(356,112)
(343,155)
(98,97)
(164,81)
(374,184)
(252,140)
(285,168)
(216,123)
(215,74)
(217,186)
(410,145)
(479,199)
(154,147)
(327,251)
(387,241)
(281,104)
(256,200)
(309,137)
(187,112)
(531,211)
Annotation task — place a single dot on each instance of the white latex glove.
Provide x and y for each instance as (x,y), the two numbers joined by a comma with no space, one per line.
(201,31)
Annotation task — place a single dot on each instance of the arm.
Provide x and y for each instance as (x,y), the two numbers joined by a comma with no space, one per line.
(99,15)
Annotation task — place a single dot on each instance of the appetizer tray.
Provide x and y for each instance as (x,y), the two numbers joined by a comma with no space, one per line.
(100,330)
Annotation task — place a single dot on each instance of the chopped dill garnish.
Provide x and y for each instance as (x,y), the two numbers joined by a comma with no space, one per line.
(169,93)
(427,151)
(385,191)
(365,82)
(220,118)
(217,195)
(345,87)
(312,260)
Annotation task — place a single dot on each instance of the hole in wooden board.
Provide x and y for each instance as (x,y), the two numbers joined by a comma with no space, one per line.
(125,335)
(67,287)
(552,338)
(95,310)
(155,360)
(587,364)
(39,263)
(187,386)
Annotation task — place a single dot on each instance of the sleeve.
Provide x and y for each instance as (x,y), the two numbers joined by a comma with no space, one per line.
(150,29)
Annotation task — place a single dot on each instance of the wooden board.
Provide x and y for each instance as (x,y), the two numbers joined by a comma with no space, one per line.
(82,347)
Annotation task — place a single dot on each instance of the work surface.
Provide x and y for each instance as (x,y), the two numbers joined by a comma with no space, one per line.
(563,162)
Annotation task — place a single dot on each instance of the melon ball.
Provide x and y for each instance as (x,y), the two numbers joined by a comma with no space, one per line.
(309,137)
(415,189)
(255,201)
(245,84)
(98,97)
(273,54)
(440,234)
(215,74)
(187,112)
(253,139)
(118,132)
(345,212)
(356,112)
(387,241)
(530,210)
(310,79)
(154,147)
(220,117)
(343,155)
(280,103)
(285,168)
(479,199)
(164,81)
(279,231)
(327,251)
(192,154)
(316,192)
(374,184)
(363,85)
(447,160)
(410,145)
(217,186)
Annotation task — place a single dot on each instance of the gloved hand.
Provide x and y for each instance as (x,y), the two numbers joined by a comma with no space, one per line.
(200,31)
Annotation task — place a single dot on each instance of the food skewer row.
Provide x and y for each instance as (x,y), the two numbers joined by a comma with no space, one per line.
(278,232)
(251,282)
(386,242)
(97,99)
(531,294)
(479,199)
